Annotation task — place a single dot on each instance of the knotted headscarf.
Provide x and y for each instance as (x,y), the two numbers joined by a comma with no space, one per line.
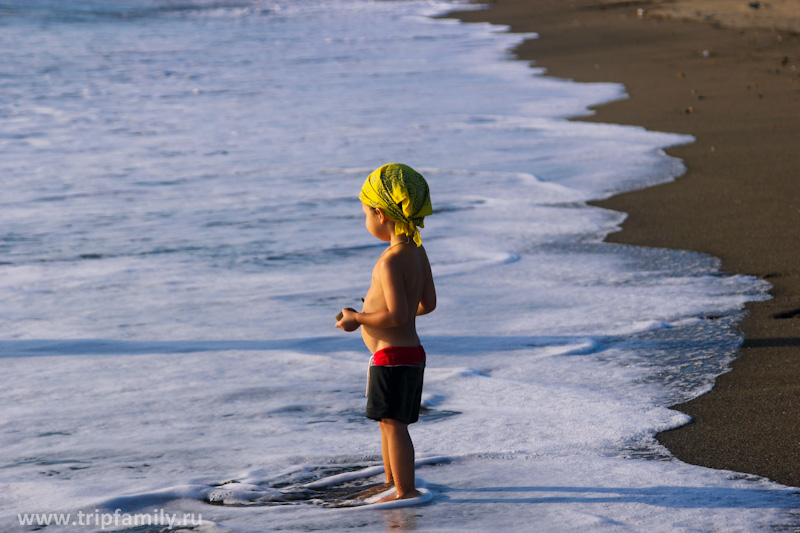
(403,195)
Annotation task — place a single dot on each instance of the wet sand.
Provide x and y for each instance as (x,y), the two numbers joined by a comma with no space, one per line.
(727,73)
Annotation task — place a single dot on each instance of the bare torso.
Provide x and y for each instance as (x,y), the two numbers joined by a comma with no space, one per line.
(413,262)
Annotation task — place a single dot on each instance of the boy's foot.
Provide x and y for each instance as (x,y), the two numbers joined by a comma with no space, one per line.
(393,496)
(372,491)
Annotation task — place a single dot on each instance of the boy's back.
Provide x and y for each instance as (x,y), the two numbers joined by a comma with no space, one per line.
(402,273)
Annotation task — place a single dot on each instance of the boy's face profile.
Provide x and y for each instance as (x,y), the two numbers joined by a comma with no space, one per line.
(378,224)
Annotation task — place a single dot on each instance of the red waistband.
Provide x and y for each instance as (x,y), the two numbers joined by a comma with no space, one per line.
(402,355)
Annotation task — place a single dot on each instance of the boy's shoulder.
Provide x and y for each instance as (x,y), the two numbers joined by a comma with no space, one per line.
(404,253)
(405,258)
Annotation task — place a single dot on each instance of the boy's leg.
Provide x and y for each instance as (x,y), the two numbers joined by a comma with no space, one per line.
(387,458)
(400,458)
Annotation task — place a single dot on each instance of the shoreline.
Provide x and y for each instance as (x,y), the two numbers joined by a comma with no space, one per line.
(731,79)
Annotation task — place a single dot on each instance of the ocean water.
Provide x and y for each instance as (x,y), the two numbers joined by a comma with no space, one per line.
(179,225)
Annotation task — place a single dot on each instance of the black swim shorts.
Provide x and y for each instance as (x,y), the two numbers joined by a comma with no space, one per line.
(395,392)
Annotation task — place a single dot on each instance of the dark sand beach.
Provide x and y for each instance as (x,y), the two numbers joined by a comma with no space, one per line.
(728,73)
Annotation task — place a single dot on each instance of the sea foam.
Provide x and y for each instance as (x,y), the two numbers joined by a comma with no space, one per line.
(180,225)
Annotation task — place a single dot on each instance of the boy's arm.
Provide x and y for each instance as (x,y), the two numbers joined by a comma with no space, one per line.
(428,301)
(396,312)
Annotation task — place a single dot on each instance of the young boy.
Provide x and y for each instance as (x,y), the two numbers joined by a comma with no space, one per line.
(395,200)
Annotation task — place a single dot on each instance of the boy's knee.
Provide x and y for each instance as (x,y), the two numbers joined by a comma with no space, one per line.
(391,423)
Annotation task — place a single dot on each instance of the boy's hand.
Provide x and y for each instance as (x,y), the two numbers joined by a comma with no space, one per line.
(348,321)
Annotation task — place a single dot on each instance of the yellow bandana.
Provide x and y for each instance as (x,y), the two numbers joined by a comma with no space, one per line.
(403,195)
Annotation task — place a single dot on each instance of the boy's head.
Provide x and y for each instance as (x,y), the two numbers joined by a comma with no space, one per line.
(402,194)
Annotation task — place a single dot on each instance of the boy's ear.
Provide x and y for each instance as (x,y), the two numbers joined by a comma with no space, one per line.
(381,214)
